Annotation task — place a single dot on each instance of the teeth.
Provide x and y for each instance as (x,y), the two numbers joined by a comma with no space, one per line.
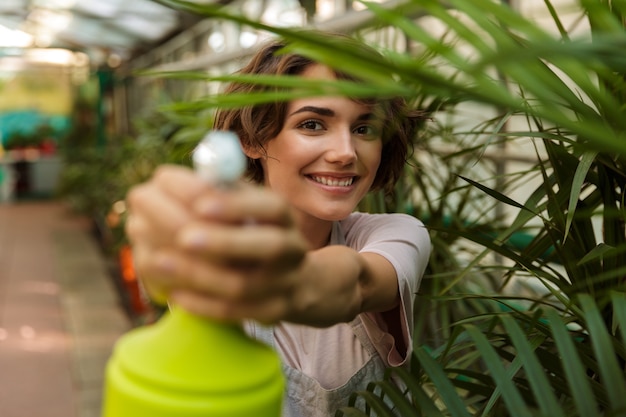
(334,182)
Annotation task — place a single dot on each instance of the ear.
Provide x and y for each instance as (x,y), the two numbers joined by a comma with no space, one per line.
(252,152)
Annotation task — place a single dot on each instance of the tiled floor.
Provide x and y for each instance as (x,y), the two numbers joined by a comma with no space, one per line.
(60,314)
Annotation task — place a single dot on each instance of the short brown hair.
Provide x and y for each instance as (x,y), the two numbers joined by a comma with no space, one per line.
(258,124)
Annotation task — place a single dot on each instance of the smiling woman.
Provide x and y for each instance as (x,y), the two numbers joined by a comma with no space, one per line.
(326,156)
(257,125)
(331,289)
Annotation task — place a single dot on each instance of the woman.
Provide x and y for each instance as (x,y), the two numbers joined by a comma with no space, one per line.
(332,290)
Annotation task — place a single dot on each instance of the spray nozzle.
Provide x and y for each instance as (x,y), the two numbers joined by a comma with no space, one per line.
(218,158)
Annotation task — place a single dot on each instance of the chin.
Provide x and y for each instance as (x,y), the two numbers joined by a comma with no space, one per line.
(335,216)
(326,210)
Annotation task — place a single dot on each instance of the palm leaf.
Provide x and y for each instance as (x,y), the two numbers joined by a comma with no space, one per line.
(610,370)
(579,177)
(576,376)
(445,389)
(537,379)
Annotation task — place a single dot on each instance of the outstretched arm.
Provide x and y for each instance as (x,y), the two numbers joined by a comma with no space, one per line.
(195,246)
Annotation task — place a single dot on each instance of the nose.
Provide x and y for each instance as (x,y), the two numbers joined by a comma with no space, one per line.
(341,148)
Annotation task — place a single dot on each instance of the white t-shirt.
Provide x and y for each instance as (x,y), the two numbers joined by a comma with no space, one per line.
(333,355)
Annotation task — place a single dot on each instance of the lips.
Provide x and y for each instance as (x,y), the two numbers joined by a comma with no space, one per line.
(333,181)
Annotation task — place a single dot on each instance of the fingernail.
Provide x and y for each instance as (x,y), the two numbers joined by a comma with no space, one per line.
(209,208)
(193,239)
(165,262)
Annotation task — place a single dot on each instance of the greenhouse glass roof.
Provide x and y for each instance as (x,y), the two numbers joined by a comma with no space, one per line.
(96,27)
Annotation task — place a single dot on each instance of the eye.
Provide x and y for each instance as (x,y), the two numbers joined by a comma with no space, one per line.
(367,130)
(311,125)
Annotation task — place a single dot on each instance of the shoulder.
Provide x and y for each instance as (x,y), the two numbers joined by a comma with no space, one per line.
(358,216)
(402,239)
(358,226)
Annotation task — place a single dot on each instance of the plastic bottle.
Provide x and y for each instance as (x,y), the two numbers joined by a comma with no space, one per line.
(187,366)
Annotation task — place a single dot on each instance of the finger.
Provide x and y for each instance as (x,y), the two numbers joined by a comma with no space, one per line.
(166,271)
(175,271)
(135,228)
(149,272)
(243,205)
(179,182)
(269,311)
(154,215)
(169,182)
(256,243)
(151,207)
(205,306)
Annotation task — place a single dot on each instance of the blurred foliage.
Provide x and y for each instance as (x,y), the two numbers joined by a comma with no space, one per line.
(18,140)
(96,177)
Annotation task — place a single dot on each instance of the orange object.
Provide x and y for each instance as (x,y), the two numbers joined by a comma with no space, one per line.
(126,264)
(138,303)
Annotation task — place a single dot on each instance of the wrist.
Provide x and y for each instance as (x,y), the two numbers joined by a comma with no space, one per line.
(328,290)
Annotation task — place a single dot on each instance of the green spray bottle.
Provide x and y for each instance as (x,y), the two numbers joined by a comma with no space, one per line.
(188,366)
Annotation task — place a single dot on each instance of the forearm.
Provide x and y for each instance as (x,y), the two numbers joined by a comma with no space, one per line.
(336,283)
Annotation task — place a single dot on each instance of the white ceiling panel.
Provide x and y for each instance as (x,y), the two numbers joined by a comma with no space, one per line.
(102,9)
(10,22)
(112,26)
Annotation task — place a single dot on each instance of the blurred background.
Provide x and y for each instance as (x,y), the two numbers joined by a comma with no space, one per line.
(83,118)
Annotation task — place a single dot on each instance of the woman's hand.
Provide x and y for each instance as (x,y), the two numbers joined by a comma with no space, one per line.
(225,254)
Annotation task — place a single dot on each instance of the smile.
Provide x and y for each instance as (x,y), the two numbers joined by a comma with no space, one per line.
(333,182)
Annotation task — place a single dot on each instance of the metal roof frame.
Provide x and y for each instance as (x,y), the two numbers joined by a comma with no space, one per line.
(97,27)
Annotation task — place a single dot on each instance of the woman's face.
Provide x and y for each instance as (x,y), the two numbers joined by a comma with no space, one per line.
(325,158)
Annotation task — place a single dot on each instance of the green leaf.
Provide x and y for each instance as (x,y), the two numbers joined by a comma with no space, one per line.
(373,402)
(510,394)
(497,195)
(445,389)
(424,405)
(575,374)
(611,372)
(536,376)
(350,412)
(596,253)
(619,309)
(387,389)
(577,184)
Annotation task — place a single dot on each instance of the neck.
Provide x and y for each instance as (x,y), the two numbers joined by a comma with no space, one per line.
(316,231)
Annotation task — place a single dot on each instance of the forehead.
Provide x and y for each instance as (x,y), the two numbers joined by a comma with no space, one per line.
(323,72)
(331,106)
(319,71)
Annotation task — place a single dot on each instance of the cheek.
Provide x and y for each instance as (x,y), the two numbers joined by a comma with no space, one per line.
(371,154)
(281,165)
(289,152)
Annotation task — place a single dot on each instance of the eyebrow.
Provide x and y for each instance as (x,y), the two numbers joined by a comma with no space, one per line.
(324,111)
